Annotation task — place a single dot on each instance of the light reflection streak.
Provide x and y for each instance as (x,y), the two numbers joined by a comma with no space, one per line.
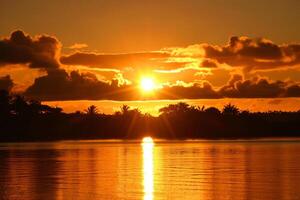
(148,168)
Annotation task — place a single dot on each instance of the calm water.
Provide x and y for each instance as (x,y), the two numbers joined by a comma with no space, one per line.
(165,170)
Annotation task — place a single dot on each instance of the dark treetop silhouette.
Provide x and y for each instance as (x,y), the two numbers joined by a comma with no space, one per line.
(29,120)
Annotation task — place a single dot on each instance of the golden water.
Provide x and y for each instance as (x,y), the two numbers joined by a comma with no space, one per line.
(160,170)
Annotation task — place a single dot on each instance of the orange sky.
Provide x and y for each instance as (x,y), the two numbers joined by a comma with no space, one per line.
(152,107)
(135,25)
(101,50)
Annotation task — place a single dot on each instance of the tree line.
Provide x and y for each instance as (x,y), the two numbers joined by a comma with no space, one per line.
(29,120)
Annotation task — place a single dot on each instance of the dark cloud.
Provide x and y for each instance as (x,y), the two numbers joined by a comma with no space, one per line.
(43,52)
(209,63)
(259,48)
(59,85)
(293,91)
(115,60)
(254,54)
(258,87)
(6,83)
(196,91)
(40,52)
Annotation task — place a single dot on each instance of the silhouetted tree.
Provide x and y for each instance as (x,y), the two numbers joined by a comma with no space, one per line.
(125,109)
(213,111)
(91,110)
(20,105)
(28,120)
(180,107)
(202,109)
(230,109)
(5,101)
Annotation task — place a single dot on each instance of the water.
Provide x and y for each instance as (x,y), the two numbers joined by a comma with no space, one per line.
(164,170)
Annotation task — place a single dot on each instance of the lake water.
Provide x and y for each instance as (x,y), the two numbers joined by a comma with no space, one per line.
(163,170)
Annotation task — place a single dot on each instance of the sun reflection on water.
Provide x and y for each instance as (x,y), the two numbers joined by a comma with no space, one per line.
(148,167)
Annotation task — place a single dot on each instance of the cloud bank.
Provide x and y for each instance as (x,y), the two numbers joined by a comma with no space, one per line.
(254,54)
(36,52)
(240,57)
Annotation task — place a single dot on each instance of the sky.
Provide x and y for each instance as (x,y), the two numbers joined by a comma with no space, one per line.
(191,49)
(136,25)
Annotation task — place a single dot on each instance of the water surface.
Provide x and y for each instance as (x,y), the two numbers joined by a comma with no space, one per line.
(164,170)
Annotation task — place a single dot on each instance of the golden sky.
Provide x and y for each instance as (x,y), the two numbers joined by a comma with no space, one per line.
(118,26)
(150,50)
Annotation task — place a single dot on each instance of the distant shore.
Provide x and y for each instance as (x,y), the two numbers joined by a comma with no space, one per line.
(291,104)
(29,120)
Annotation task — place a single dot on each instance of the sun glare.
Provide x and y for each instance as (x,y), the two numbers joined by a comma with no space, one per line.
(148,181)
(147,84)
(147,140)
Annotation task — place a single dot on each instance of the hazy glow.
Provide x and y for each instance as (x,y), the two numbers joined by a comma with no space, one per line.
(148,167)
(147,84)
(148,140)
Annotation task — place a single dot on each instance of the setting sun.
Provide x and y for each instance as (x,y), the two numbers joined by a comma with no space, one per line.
(141,99)
(147,140)
(147,84)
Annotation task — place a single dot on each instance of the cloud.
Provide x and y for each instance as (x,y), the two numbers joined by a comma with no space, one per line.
(115,60)
(209,63)
(78,46)
(188,69)
(194,91)
(38,52)
(293,91)
(254,54)
(59,85)
(193,51)
(6,83)
(258,87)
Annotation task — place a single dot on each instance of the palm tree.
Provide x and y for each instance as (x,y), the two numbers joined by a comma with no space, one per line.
(230,109)
(92,110)
(180,107)
(125,109)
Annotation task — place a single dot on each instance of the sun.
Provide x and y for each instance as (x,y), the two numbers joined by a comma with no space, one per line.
(147,84)
(147,140)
